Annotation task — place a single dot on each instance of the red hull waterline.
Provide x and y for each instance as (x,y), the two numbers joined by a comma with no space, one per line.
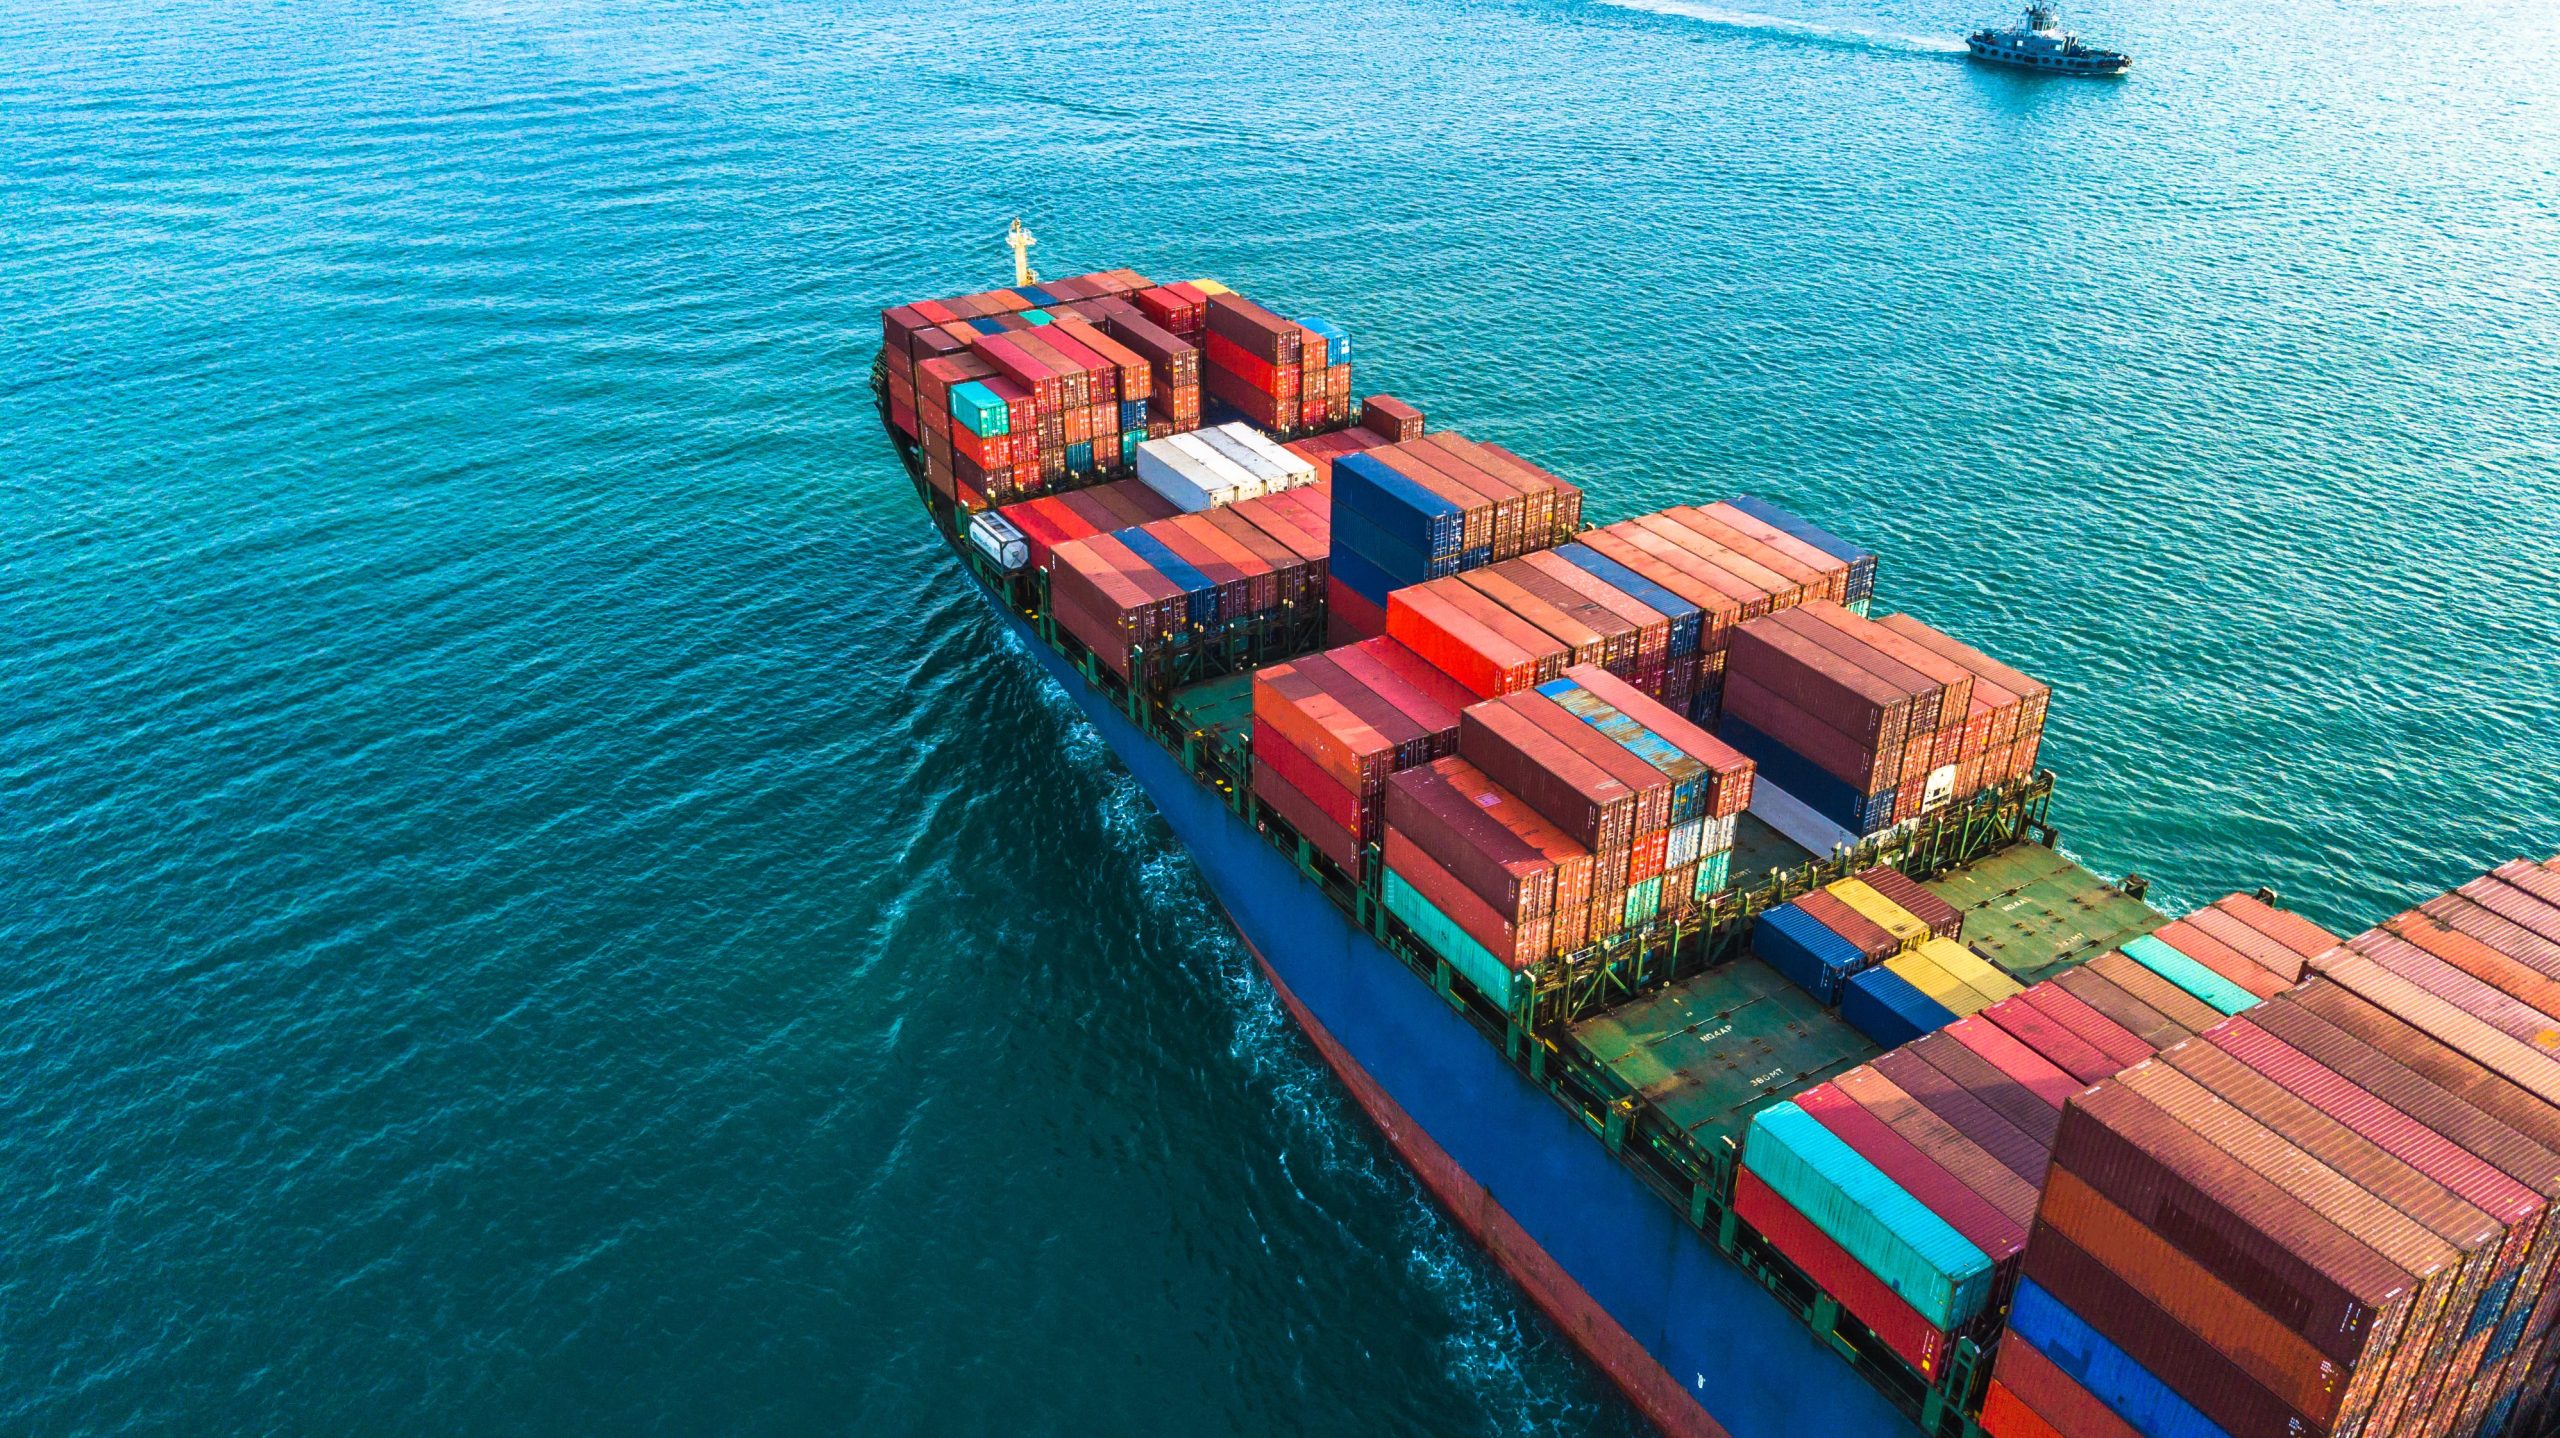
(1663,1399)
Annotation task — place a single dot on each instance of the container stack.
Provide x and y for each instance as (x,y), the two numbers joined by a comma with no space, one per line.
(1952,1132)
(1331,729)
(1204,469)
(1649,798)
(1861,586)
(1282,376)
(1871,723)
(1011,393)
(1053,519)
(1427,508)
(1254,566)
(2327,1213)
(1019,392)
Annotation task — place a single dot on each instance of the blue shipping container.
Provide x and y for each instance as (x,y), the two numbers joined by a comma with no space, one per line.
(1035,294)
(1685,617)
(2108,1372)
(1885,1007)
(1133,414)
(1199,596)
(1362,577)
(1394,558)
(1337,340)
(1080,456)
(1862,562)
(1414,516)
(1809,955)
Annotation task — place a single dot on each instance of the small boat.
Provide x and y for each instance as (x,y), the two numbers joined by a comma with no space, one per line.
(2039,43)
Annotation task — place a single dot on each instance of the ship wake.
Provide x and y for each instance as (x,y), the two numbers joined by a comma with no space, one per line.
(1808,31)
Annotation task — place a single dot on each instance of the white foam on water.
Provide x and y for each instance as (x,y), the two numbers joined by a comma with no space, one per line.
(1846,36)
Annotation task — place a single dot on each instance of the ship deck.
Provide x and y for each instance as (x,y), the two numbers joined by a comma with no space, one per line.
(1710,1050)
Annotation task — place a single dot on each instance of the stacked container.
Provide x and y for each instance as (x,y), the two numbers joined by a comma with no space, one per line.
(1255,363)
(1252,566)
(1953,1132)
(1010,393)
(1204,469)
(1861,586)
(1331,729)
(1871,723)
(1650,800)
(1479,875)
(1054,519)
(1422,509)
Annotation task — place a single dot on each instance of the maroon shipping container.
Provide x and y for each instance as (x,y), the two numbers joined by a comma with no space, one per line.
(1945,1144)
(2121,1047)
(1955,1105)
(2235,951)
(1865,935)
(2033,696)
(1301,814)
(1516,943)
(2442,1276)
(1981,1221)
(1928,695)
(1652,787)
(2220,1388)
(2051,1394)
(1582,643)
(1997,1091)
(2195,1295)
(1857,763)
(2173,1003)
(2305,1271)
(1392,417)
(2032,1071)
(1780,591)
(2146,1025)
(1272,750)
(1943,918)
(1437,808)
(2029,1024)
(1814,583)
(1575,795)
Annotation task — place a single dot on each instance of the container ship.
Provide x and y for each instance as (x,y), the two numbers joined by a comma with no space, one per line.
(1695,925)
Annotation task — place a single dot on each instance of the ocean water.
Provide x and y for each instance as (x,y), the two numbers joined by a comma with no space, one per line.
(532,900)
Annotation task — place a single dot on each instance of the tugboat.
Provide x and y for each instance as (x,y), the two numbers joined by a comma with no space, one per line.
(2038,43)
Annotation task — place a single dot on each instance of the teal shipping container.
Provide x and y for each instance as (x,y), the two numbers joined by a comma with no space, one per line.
(1442,934)
(2206,985)
(1893,1235)
(1644,901)
(1714,872)
(978,407)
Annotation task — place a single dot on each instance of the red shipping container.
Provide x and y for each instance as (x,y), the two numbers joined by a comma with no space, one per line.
(2155,1030)
(1301,814)
(2032,1071)
(1349,616)
(1585,801)
(1434,808)
(2173,1003)
(1391,418)
(1516,945)
(1866,1297)
(2038,1030)
(1969,1213)
(1272,750)
(2199,936)
(2006,1415)
(1968,1162)
(2051,1393)
(2120,1048)
(1996,1090)
(2018,1150)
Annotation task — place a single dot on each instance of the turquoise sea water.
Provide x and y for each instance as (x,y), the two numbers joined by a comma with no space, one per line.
(536,903)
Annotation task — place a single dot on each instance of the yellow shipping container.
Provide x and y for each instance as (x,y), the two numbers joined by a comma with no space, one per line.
(1211,287)
(1887,915)
(1952,993)
(1972,970)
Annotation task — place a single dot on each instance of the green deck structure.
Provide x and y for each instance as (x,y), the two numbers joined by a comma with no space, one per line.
(1710,1050)
(1759,851)
(2035,913)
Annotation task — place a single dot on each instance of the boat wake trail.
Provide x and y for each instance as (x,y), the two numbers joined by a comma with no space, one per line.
(1843,36)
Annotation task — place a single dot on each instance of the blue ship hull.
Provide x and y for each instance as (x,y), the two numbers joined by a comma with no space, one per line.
(1694,1341)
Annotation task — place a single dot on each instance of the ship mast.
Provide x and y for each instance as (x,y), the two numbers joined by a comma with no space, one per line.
(1021,241)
